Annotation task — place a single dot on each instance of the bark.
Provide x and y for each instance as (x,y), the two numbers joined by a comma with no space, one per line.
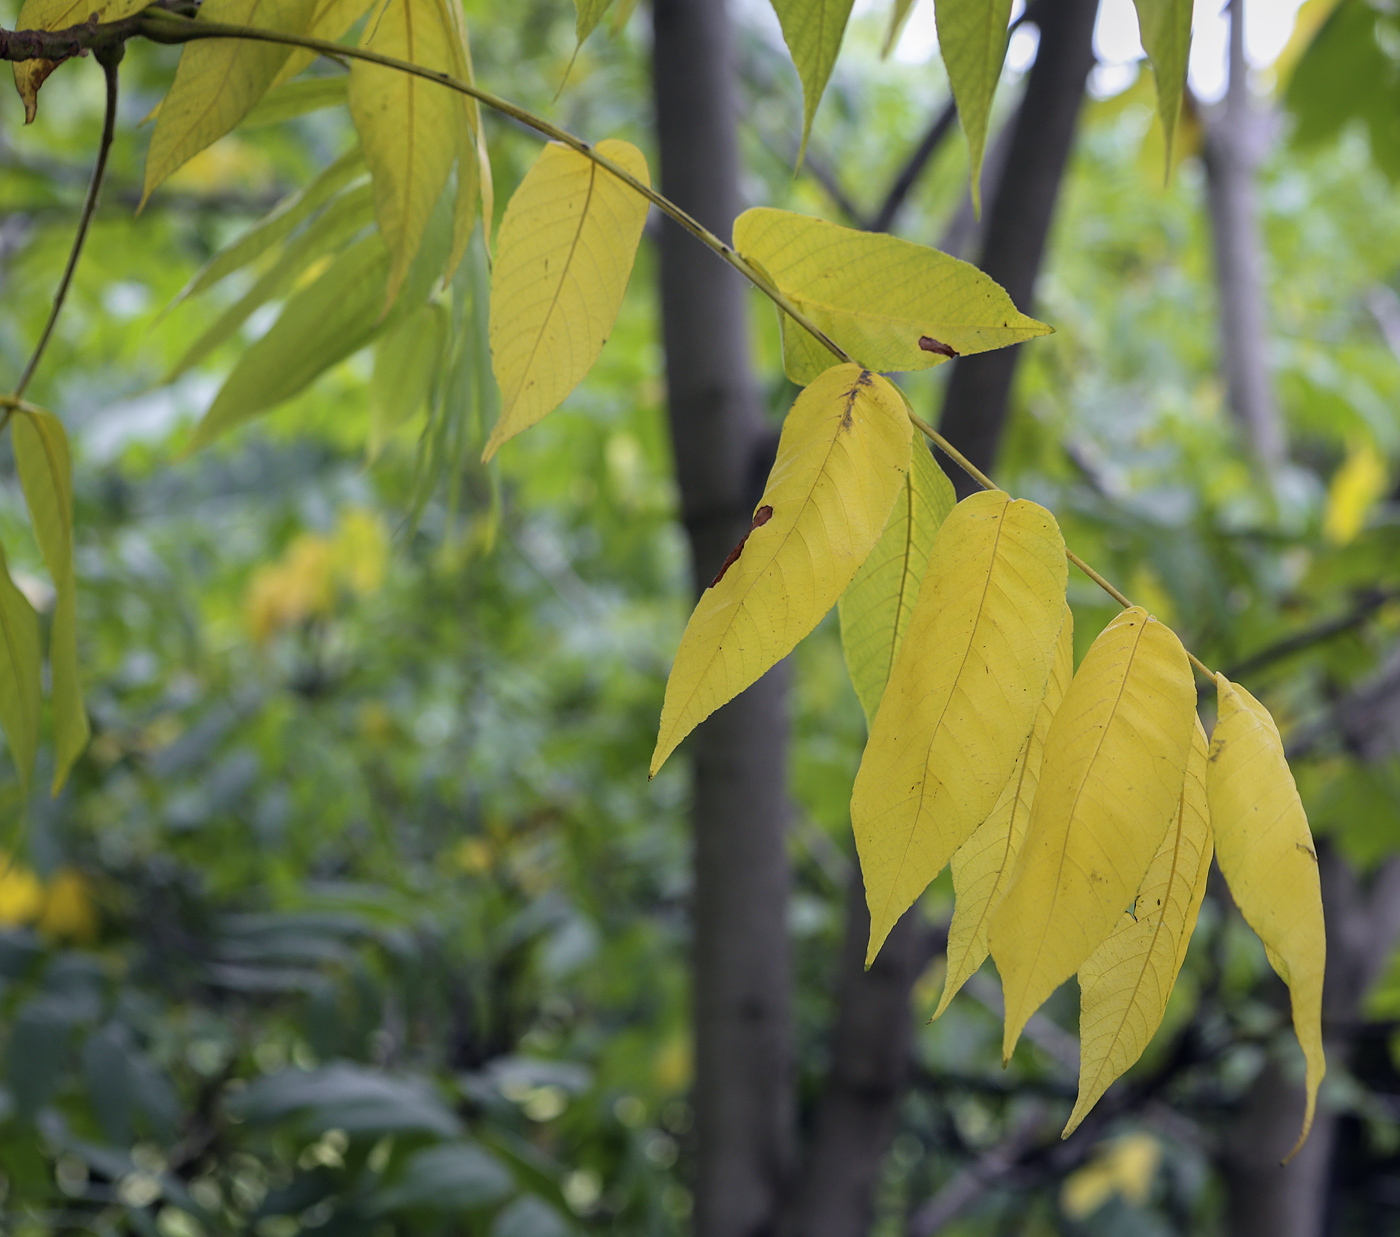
(1236,138)
(741,1019)
(1019,218)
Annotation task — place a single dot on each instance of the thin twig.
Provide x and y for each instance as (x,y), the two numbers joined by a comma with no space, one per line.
(109,59)
(913,168)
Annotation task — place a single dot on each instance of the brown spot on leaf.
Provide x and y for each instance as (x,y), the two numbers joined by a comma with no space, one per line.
(862,381)
(929,344)
(760,518)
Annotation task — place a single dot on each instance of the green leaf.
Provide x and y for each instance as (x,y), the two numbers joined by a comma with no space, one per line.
(340,221)
(899,18)
(812,30)
(876,605)
(45,469)
(1165,26)
(219,81)
(408,126)
(406,362)
(278,224)
(20,691)
(588,14)
(876,296)
(972,37)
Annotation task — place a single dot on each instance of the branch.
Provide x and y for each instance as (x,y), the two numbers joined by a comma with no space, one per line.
(109,58)
(913,168)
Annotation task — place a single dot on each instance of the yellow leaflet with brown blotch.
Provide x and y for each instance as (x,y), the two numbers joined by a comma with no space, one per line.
(1124,985)
(984,865)
(842,457)
(877,604)
(407,126)
(1266,854)
(58,15)
(962,697)
(1110,784)
(563,258)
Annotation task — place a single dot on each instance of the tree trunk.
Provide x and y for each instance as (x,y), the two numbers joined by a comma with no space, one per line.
(1235,141)
(741,1020)
(1018,223)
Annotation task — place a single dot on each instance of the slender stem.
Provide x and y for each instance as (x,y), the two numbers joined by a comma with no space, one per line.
(109,59)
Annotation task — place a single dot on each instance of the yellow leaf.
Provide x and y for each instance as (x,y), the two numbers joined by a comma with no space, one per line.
(46,472)
(69,912)
(1126,981)
(1110,784)
(1126,1166)
(876,296)
(1356,487)
(407,126)
(841,461)
(1165,26)
(899,18)
(20,693)
(972,37)
(474,183)
(564,255)
(219,81)
(1266,853)
(330,20)
(812,30)
(984,865)
(876,605)
(59,15)
(962,697)
(21,894)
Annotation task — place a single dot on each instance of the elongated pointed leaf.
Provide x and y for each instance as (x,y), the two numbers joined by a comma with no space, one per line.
(588,13)
(407,126)
(813,30)
(564,255)
(1124,986)
(277,225)
(330,20)
(876,606)
(984,865)
(841,462)
(58,15)
(45,469)
(406,363)
(899,18)
(962,697)
(1265,850)
(474,187)
(219,81)
(877,296)
(1110,784)
(1165,26)
(20,692)
(972,37)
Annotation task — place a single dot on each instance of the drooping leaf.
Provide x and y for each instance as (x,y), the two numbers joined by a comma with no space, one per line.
(876,606)
(899,18)
(972,37)
(813,30)
(588,13)
(20,692)
(323,323)
(474,185)
(1110,785)
(984,865)
(1266,853)
(331,20)
(338,223)
(59,15)
(407,126)
(219,81)
(891,304)
(278,224)
(1165,26)
(1126,981)
(406,361)
(564,255)
(962,697)
(842,457)
(45,469)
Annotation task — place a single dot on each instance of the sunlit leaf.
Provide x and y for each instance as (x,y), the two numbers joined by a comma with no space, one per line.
(45,469)
(984,865)
(564,255)
(330,20)
(1110,786)
(841,462)
(876,296)
(972,37)
(961,700)
(1266,853)
(1124,985)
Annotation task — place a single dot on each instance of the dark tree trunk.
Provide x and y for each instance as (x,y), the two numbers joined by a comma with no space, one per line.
(1018,222)
(741,1021)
